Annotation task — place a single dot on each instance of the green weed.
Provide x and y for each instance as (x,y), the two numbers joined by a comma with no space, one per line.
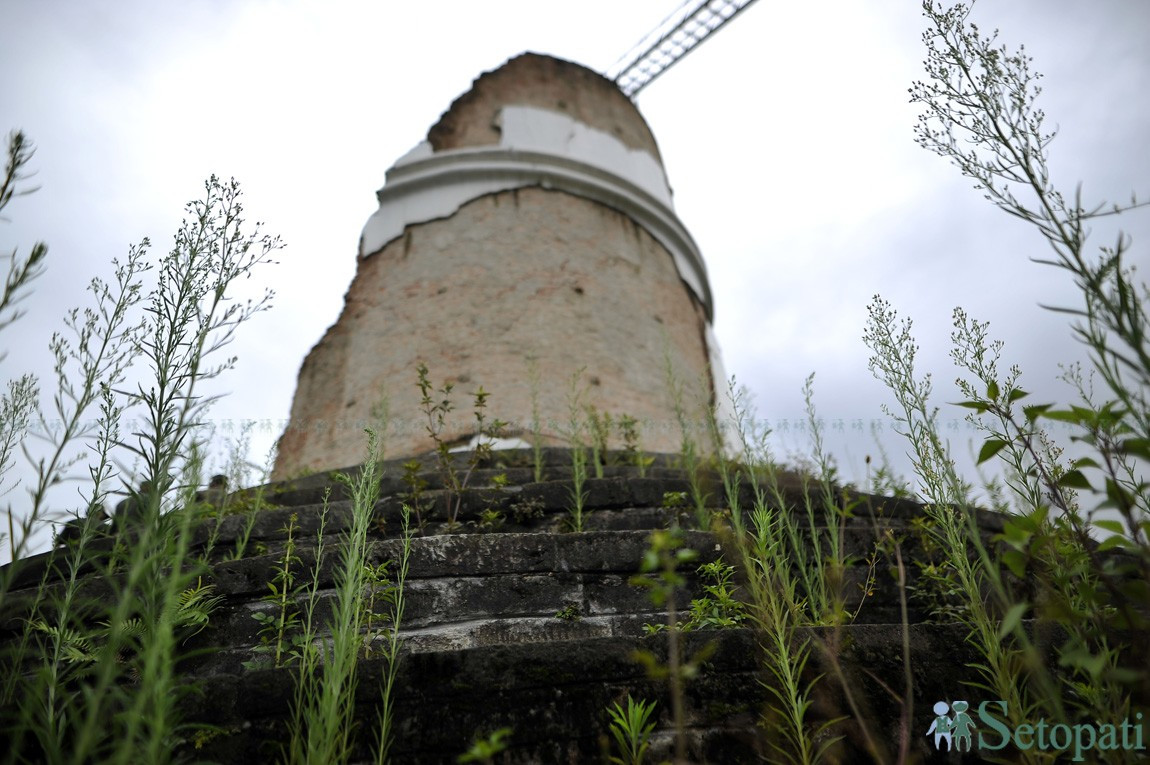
(631,727)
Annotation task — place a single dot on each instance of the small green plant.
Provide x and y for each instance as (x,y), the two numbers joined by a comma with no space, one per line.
(524,510)
(534,380)
(378,592)
(484,748)
(570,613)
(248,503)
(194,608)
(631,727)
(690,456)
(659,574)
(416,484)
(322,724)
(629,432)
(245,534)
(490,519)
(392,644)
(599,426)
(718,607)
(576,431)
(276,627)
(437,405)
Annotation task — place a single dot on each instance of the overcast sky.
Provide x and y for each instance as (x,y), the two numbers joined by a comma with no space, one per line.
(787,139)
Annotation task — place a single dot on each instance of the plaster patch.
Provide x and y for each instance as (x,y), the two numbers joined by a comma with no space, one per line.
(538,148)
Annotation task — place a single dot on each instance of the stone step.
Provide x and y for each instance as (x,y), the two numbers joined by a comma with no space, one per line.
(554,694)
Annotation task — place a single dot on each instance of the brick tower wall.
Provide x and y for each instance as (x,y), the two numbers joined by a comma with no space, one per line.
(516,285)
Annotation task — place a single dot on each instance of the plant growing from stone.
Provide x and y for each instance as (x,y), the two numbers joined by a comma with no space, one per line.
(308,654)
(631,727)
(629,433)
(484,748)
(250,503)
(322,727)
(416,484)
(535,382)
(277,627)
(437,406)
(789,587)
(659,574)
(717,608)
(569,613)
(576,432)
(690,457)
(392,644)
(599,425)
(378,592)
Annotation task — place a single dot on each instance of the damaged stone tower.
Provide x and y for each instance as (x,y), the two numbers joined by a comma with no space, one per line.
(531,236)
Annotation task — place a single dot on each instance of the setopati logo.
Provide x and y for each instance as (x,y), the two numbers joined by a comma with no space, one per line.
(955,729)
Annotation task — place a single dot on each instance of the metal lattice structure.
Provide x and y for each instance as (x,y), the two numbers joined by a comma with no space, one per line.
(689,25)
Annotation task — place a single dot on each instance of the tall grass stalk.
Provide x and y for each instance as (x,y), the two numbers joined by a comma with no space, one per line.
(955,522)
(328,690)
(576,432)
(659,574)
(19,403)
(794,576)
(534,380)
(689,447)
(102,343)
(392,648)
(309,653)
(118,701)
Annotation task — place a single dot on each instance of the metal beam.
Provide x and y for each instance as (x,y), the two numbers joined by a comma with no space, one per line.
(686,27)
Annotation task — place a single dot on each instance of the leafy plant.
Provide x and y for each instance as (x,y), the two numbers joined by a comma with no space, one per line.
(631,727)
(576,431)
(690,455)
(599,425)
(718,607)
(629,432)
(659,575)
(527,509)
(490,519)
(569,613)
(533,378)
(789,588)
(275,627)
(378,592)
(484,749)
(323,720)
(416,484)
(392,644)
(437,405)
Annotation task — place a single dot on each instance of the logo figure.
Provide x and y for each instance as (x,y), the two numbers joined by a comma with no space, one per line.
(942,725)
(957,731)
(962,726)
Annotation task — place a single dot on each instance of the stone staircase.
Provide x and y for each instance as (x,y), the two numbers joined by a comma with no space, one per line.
(513,621)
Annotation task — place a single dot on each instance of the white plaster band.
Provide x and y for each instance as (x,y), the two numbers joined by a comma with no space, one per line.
(437,186)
